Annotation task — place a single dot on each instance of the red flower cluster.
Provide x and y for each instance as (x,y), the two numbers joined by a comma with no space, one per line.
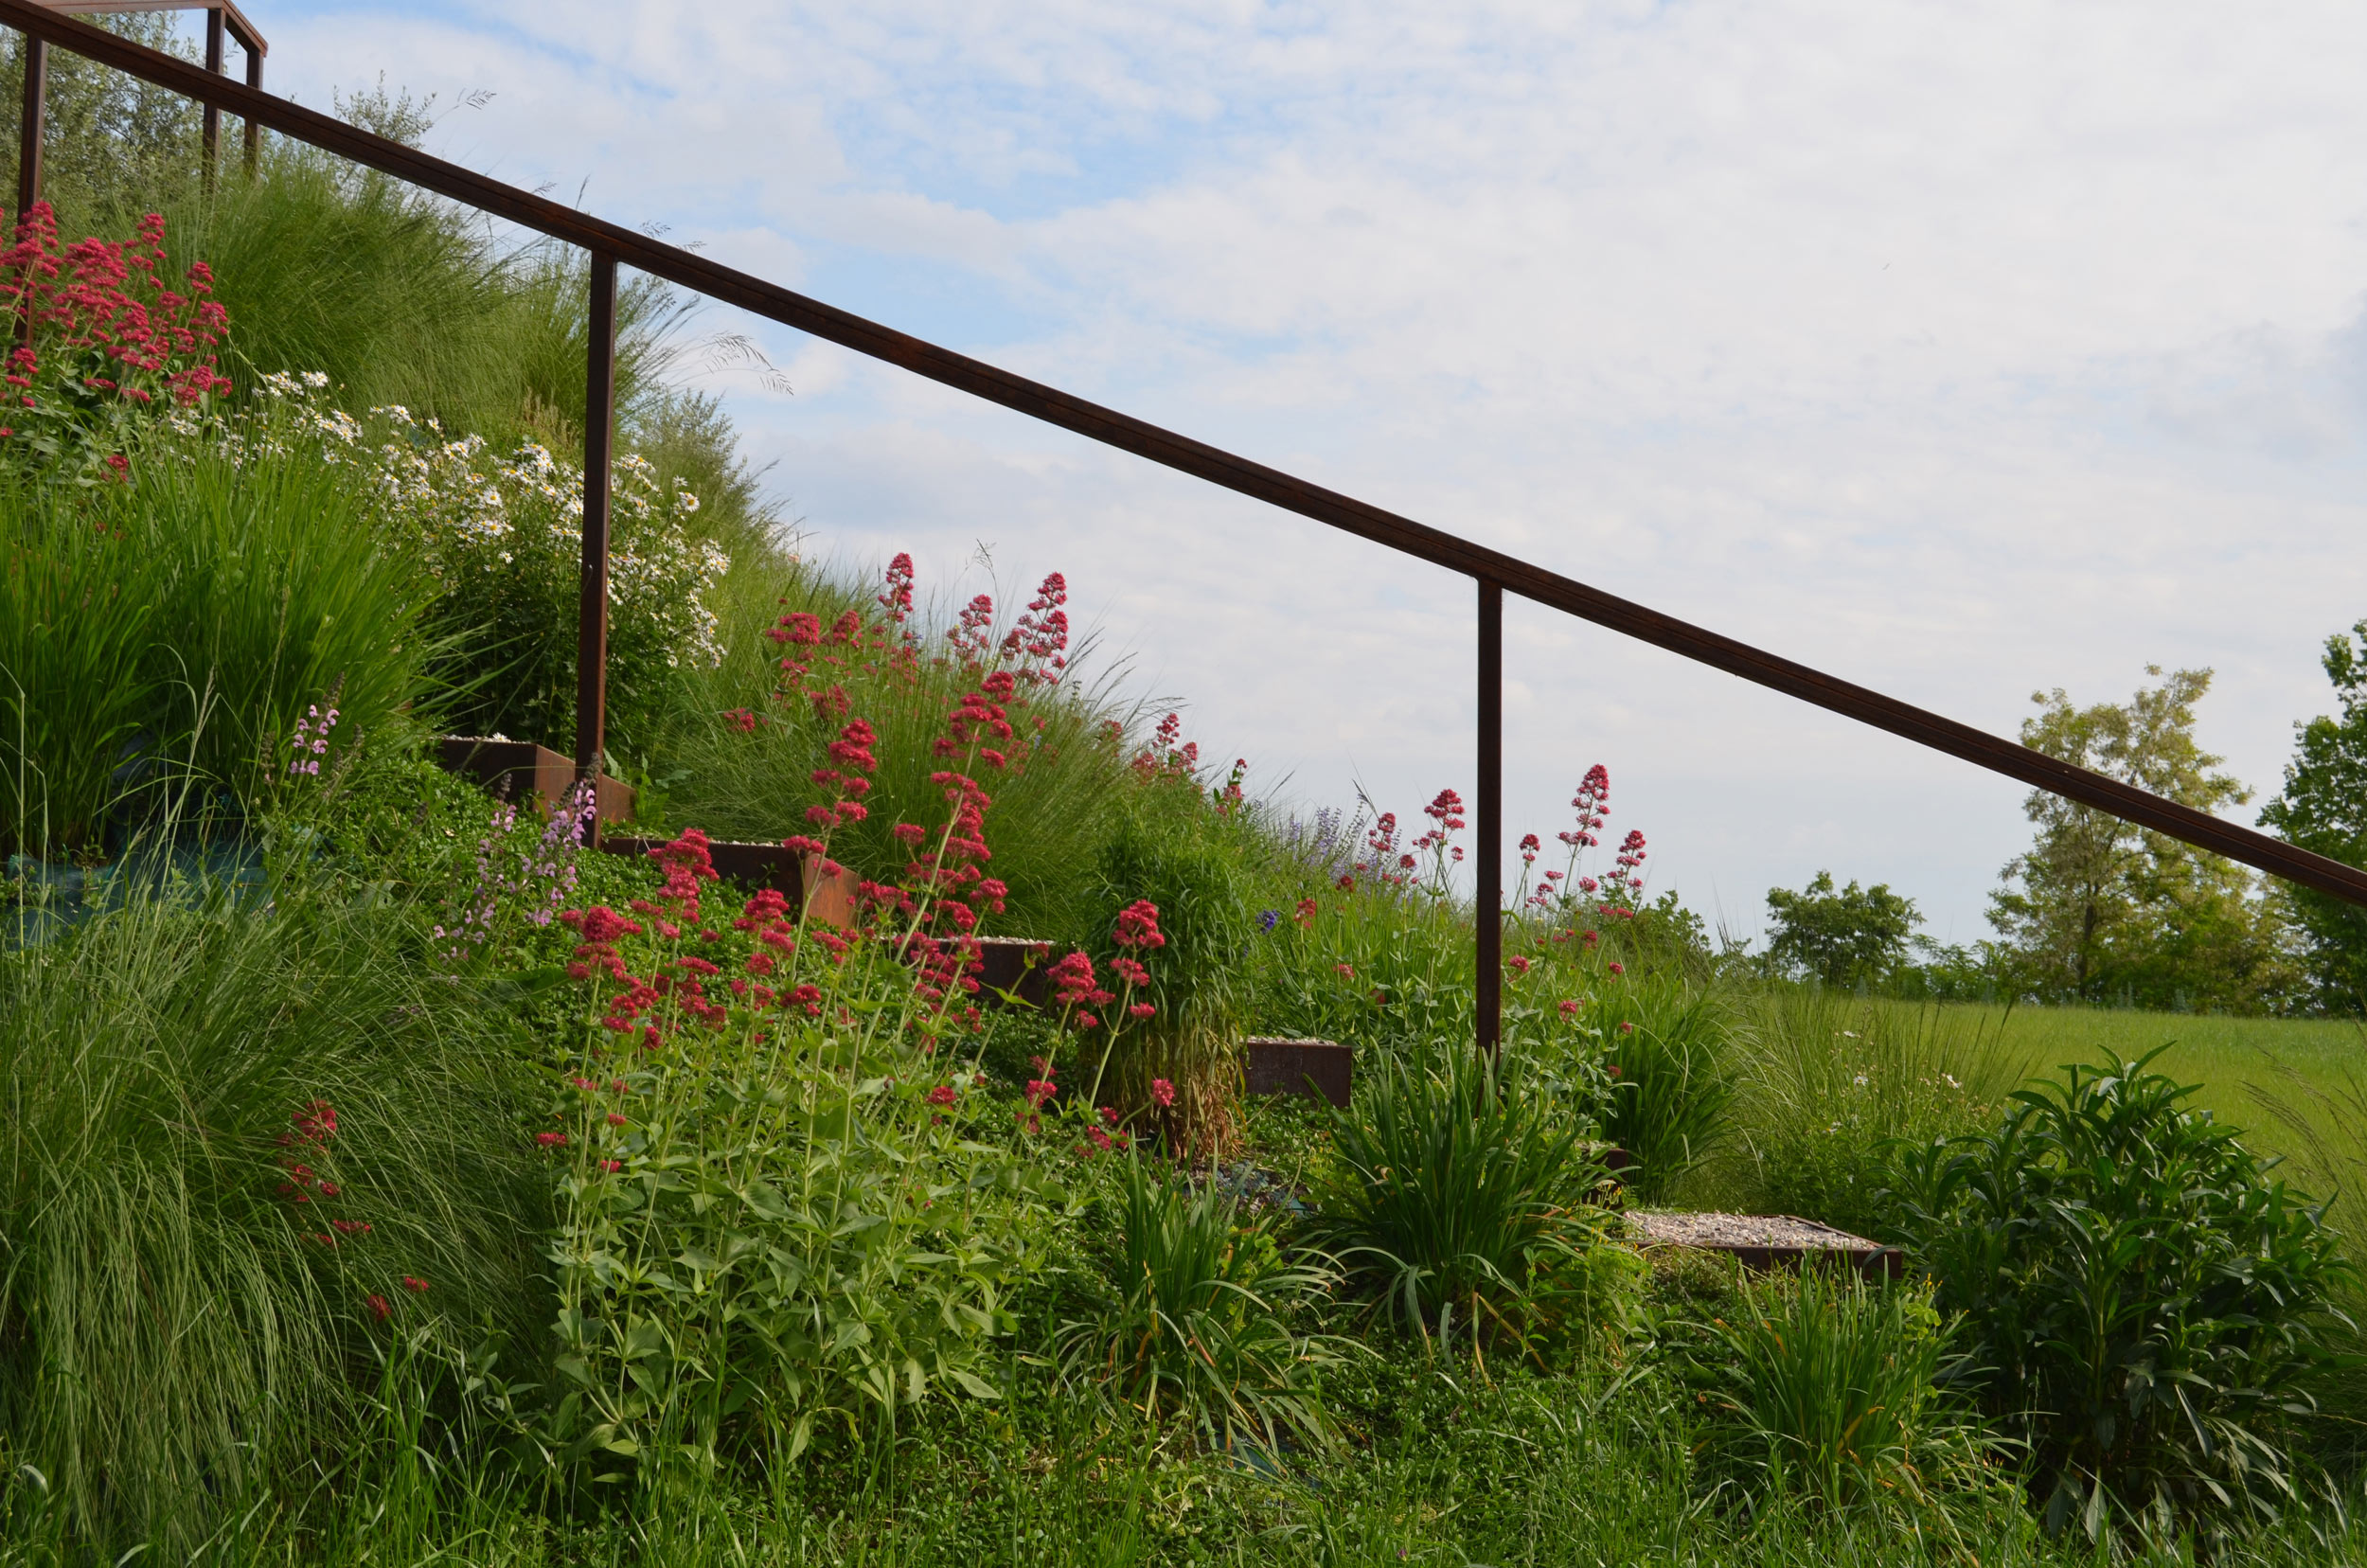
(972,633)
(897,597)
(107,303)
(1168,755)
(1138,926)
(849,776)
(1040,640)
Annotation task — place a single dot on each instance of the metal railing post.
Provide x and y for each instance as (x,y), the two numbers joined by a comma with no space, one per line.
(599,412)
(254,79)
(213,67)
(29,145)
(28,134)
(1487,850)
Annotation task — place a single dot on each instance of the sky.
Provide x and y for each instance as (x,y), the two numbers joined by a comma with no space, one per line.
(1960,350)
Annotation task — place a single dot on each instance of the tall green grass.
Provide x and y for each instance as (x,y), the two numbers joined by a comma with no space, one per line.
(173,631)
(179,1336)
(1827,1088)
(400,297)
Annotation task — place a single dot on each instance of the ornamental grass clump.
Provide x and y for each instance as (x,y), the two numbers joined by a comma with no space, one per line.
(1461,1206)
(1170,850)
(241,1148)
(170,630)
(1665,1053)
(2148,1305)
(1197,1331)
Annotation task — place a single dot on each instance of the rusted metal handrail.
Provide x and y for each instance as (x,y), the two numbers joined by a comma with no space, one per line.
(1496,571)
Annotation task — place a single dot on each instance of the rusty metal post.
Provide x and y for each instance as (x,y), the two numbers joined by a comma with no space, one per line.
(213,67)
(253,80)
(29,135)
(29,145)
(1487,812)
(599,410)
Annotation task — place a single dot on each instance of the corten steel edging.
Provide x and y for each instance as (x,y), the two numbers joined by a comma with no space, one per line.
(1187,455)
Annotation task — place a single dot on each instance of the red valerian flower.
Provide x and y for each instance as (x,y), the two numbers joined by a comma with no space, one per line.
(379,1307)
(1570,1009)
(1517,964)
(1141,1009)
(415,1285)
(551,1140)
(1162,1091)
(612,1166)
(1138,925)
(944,1094)
(1617,968)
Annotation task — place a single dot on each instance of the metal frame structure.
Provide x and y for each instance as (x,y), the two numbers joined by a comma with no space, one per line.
(1495,573)
(220,17)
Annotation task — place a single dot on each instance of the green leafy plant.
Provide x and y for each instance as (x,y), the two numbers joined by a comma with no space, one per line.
(2147,1301)
(1827,1390)
(1197,1327)
(1460,1204)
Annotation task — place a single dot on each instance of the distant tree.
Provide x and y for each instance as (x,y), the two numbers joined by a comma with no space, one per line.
(2099,910)
(1851,937)
(2323,807)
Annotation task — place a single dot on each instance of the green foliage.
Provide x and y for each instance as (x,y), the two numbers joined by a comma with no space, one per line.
(1461,1203)
(2101,910)
(230,1134)
(178,627)
(1198,1328)
(111,141)
(1055,802)
(1828,1090)
(2323,807)
(1666,1050)
(1855,937)
(2146,1301)
(1829,1390)
(778,1219)
(1173,850)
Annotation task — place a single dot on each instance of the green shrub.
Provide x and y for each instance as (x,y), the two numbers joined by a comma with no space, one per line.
(1826,1390)
(1196,1329)
(780,1218)
(231,1137)
(1460,1202)
(2149,1302)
